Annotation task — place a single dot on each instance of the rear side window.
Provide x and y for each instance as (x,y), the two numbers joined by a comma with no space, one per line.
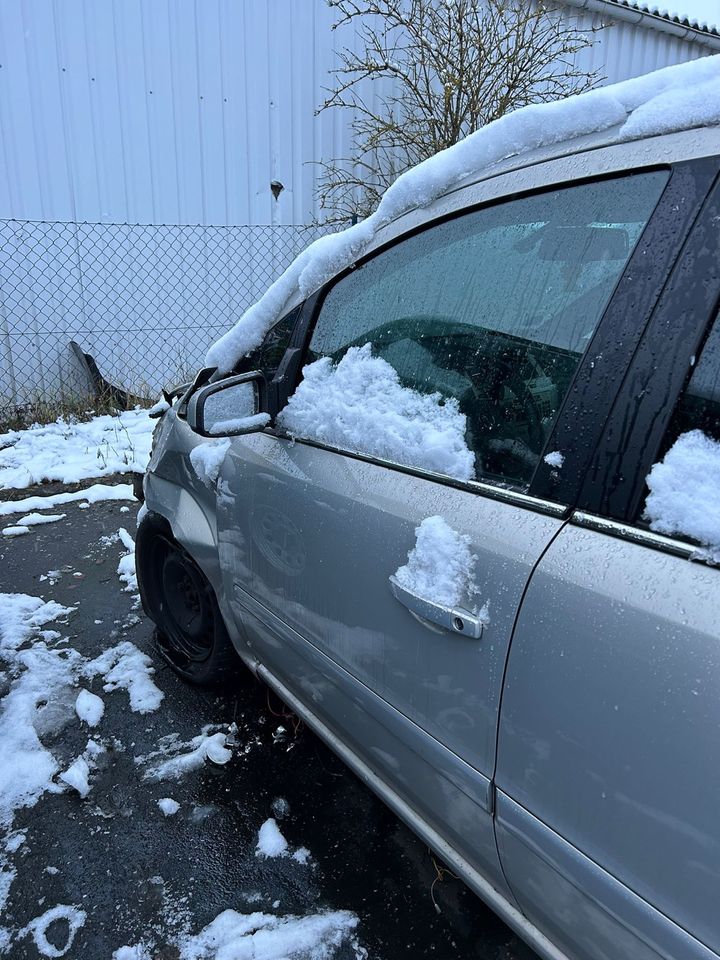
(684,485)
(453,349)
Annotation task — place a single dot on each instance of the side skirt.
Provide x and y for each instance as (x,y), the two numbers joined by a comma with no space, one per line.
(477,883)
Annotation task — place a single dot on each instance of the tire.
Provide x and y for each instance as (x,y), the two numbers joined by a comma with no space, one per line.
(190,634)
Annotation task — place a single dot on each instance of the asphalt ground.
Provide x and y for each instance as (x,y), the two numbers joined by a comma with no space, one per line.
(139,875)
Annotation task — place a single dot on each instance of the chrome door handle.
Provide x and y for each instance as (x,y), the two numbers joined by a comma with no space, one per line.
(453,619)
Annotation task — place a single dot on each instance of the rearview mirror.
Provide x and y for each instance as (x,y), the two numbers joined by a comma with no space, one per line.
(229,407)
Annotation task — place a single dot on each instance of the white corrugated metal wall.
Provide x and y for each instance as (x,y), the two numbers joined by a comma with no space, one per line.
(184,111)
(170,112)
(164,111)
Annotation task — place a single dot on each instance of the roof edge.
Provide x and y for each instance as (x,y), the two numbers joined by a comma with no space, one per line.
(682,29)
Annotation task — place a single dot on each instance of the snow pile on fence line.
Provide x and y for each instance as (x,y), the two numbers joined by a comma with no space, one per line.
(69,451)
(684,493)
(674,98)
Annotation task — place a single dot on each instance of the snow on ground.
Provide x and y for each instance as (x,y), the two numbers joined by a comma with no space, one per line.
(361,405)
(684,493)
(271,843)
(124,667)
(440,567)
(674,98)
(77,776)
(168,806)
(31,520)
(69,451)
(37,928)
(236,935)
(185,756)
(92,494)
(126,567)
(207,459)
(89,707)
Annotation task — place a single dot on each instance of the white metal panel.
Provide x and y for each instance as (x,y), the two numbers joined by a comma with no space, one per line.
(184,111)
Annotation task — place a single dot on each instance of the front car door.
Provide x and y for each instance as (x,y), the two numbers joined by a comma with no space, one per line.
(376,545)
(608,777)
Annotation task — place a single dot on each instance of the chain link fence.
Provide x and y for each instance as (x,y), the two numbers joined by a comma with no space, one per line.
(144,302)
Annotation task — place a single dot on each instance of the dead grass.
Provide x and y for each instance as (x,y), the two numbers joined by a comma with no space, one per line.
(78,408)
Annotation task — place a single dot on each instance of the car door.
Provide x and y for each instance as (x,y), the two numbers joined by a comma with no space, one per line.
(376,545)
(608,777)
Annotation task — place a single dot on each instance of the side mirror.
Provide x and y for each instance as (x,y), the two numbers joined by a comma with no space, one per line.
(229,407)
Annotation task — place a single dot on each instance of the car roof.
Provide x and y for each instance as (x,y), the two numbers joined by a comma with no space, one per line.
(573,159)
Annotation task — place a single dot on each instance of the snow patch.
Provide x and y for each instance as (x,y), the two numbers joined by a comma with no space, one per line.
(41,676)
(237,935)
(271,843)
(124,667)
(168,806)
(673,98)
(16,531)
(38,927)
(137,952)
(360,405)
(95,493)
(89,707)
(184,757)
(207,459)
(69,451)
(77,776)
(684,493)
(126,567)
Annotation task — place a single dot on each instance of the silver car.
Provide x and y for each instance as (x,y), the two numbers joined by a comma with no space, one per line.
(439,511)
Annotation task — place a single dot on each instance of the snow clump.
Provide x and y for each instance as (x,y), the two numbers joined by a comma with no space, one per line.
(124,667)
(684,493)
(168,806)
(674,98)
(271,843)
(126,567)
(440,567)
(233,934)
(185,757)
(554,459)
(360,404)
(207,459)
(89,707)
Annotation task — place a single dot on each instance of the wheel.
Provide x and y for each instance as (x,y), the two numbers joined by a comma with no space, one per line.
(190,633)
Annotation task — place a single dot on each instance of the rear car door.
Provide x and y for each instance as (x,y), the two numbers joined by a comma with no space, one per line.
(608,777)
(376,545)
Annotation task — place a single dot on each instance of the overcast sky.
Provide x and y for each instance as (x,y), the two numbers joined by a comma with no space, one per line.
(708,10)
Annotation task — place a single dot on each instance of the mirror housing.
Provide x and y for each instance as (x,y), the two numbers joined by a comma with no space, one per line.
(230,407)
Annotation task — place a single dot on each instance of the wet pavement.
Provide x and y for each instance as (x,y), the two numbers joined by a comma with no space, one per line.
(140,876)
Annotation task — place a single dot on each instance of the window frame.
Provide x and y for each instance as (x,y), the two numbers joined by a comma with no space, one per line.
(614,486)
(594,400)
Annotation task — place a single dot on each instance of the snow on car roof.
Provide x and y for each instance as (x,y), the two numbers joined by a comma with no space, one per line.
(675,98)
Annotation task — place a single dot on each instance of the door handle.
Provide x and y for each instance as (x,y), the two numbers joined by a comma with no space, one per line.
(453,619)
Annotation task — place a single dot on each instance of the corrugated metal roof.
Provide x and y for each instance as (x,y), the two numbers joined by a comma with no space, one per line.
(666,14)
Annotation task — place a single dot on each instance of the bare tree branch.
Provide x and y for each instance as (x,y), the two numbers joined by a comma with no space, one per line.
(453,66)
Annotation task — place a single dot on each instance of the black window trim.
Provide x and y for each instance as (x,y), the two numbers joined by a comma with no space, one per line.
(655,380)
(552,491)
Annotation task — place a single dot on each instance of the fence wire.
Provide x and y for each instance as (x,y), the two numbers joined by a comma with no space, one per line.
(145,302)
